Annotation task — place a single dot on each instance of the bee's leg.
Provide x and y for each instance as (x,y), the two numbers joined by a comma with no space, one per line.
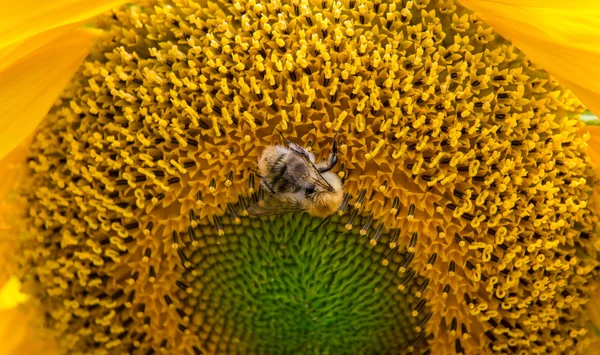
(333,159)
(269,188)
(323,222)
(263,182)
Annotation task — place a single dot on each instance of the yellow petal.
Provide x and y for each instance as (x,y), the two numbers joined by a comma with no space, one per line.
(22,19)
(20,333)
(593,151)
(593,311)
(15,52)
(13,170)
(29,87)
(12,330)
(561,36)
(592,348)
(28,29)
(11,295)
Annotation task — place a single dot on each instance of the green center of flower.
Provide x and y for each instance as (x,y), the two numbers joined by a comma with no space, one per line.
(294,284)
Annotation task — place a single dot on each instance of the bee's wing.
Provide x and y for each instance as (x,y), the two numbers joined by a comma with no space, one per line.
(316,178)
(273,205)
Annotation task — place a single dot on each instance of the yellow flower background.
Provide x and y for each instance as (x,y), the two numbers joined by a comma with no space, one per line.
(469,220)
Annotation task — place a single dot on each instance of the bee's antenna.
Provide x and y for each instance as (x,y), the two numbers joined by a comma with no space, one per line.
(283,137)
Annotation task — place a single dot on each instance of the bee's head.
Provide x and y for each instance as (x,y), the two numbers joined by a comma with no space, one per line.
(331,184)
(334,181)
(326,202)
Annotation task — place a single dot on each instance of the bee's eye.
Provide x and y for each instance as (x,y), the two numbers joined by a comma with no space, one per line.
(310,190)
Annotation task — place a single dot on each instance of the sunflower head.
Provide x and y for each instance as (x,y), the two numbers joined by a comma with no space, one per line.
(466,221)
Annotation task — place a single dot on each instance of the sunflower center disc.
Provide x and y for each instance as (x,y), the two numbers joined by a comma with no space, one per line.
(289,285)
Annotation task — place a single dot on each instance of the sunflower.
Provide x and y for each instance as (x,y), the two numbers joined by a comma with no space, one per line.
(468,223)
